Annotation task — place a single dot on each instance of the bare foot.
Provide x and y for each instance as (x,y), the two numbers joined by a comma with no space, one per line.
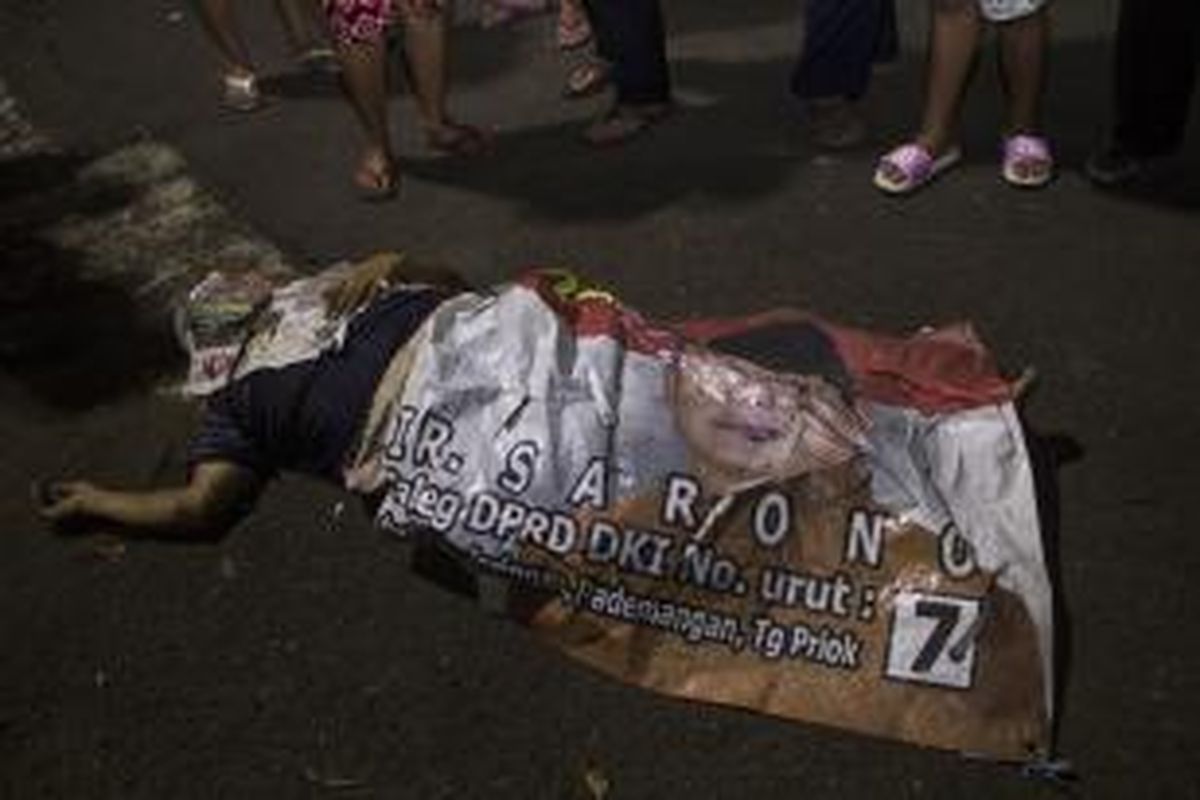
(375,176)
(458,139)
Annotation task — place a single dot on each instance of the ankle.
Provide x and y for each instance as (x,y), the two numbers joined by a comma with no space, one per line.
(376,153)
(1022,129)
(238,73)
(934,142)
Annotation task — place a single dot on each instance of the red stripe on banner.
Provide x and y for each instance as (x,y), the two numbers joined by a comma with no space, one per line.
(591,311)
(936,370)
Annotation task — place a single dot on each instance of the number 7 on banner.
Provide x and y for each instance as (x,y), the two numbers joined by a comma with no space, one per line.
(932,639)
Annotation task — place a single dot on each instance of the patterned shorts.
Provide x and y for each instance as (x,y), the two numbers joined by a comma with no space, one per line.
(358,21)
(1005,10)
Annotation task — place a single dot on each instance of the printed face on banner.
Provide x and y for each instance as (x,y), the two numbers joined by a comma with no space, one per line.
(743,422)
(738,427)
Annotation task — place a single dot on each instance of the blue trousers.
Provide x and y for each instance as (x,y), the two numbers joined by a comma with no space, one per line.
(630,35)
(842,40)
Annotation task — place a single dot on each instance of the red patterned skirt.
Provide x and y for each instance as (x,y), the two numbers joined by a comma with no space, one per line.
(358,21)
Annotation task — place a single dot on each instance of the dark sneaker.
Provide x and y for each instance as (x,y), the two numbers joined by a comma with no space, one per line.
(835,124)
(1112,166)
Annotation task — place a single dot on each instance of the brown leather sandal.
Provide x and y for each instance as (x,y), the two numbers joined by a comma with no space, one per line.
(458,139)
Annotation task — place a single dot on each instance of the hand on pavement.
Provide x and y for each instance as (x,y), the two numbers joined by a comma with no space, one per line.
(65,501)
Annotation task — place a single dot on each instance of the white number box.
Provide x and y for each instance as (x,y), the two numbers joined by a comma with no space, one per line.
(932,639)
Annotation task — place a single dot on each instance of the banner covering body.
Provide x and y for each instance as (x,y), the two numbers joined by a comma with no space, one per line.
(772,512)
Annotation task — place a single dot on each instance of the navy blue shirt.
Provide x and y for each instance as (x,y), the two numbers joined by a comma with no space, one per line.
(306,416)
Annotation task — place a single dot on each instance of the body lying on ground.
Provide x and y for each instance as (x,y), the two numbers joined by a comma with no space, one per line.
(775,511)
(303,417)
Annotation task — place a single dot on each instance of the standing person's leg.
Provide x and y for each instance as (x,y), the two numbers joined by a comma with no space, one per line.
(602,29)
(359,31)
(841,41)
(642,39)
(426,52)
(953,41)
(364,78)
(305,33)
(955,34)
(1155,74)
(221,22)
(588,67)
(359,27)
(237,70)
(887,38)
(1024,45)
(636,34)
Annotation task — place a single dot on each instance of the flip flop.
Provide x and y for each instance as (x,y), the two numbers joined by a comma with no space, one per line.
(916,166)
(624,122)
(240,93)
(457,139)
(1027,162)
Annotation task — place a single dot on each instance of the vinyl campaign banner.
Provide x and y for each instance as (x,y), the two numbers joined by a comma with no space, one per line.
(772,512)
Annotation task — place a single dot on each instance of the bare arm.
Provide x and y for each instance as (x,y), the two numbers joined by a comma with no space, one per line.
(217,496)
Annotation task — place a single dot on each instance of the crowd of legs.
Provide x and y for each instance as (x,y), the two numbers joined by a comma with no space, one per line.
(621,44)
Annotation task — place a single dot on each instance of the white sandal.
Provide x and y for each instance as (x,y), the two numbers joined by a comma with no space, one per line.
(241,93)
(916,166)
(1019,154)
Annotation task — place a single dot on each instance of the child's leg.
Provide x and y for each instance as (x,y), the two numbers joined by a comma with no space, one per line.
(1027,161)
(954,39)
(841,42)
(1023,47)
(221,22)
(425,44)
(427,58)
(301,24)
(363,75)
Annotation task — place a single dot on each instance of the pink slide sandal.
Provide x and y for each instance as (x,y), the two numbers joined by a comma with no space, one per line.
(1027,162)
(910,166)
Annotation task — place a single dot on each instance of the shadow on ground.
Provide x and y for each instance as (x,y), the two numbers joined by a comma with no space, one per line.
(480,56)
(744,140)
(1049,453)
(72,337)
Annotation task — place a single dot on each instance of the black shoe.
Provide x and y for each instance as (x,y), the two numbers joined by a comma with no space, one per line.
(1112,166)
(835,123)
